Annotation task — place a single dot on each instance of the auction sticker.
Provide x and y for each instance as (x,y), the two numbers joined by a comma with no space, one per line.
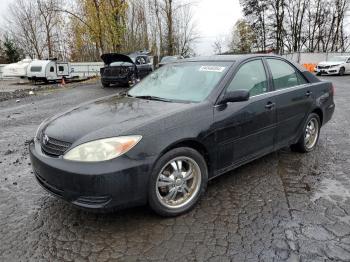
(218,69)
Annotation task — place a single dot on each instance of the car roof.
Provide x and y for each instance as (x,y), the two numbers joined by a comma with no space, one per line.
(229,58)
(236,58)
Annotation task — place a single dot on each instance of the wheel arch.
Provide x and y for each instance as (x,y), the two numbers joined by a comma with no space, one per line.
(194,144)
(319,112)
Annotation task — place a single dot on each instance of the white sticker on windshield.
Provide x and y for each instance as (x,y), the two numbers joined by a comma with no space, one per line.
(218,69)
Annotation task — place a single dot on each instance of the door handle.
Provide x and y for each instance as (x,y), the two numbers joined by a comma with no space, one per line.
(308,93)
(270,105)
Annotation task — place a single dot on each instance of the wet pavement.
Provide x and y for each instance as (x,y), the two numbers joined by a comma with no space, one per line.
(283,207)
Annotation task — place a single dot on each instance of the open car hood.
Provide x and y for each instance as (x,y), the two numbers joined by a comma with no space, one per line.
(114,57)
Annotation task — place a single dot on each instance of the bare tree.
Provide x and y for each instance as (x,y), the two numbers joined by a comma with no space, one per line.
(297,25)
(218,46)
(24,25)
(185,34)
(37,27)
(50,19)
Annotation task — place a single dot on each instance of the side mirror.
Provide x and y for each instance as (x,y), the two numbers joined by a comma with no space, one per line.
(235,96)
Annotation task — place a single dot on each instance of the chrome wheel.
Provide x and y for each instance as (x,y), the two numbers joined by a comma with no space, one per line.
(178,182)
(311,133)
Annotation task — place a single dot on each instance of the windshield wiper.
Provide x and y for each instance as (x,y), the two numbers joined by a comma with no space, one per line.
(156,98)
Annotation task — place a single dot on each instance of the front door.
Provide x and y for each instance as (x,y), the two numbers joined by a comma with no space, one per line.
(245,130)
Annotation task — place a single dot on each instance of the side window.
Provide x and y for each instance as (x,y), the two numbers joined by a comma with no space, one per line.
(35,69)
(301,79)
(348,60)
(284,75)
(52,69)
(60,68)
(250,76)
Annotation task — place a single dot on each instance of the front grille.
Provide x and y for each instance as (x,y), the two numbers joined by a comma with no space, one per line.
(53,147)
(323,67)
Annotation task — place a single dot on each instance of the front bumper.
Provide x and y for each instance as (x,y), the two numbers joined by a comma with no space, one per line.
(112,80)
(329,71)
(118,183)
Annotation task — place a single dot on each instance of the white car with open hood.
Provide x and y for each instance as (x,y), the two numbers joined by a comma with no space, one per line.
(337,65)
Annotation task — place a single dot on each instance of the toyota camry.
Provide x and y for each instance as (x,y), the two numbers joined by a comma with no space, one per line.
(186,123)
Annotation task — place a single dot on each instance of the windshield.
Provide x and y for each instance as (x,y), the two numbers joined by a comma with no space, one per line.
(191,81)
(338,59)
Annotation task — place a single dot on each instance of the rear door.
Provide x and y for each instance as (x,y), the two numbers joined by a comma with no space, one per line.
(246,129)
(293,98)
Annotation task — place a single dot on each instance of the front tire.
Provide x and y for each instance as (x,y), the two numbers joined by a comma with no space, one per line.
(309,138)
(178,180)
(342,71)
(104,85)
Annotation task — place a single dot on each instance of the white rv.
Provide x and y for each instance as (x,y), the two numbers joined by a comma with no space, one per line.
(18,69)
(48,70)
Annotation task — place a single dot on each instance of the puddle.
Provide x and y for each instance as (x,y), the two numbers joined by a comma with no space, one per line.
(332,190)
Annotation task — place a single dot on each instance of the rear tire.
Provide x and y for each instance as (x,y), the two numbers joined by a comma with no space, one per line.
(311,133)
(178,180)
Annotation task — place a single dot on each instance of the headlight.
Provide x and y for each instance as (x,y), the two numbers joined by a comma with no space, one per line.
(39,130)
(103,149)
(332,66)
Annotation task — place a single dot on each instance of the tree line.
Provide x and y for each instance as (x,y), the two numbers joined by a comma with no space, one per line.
(286,26)
(82,30)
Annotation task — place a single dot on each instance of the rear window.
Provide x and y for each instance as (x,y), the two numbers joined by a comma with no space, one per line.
(35,69)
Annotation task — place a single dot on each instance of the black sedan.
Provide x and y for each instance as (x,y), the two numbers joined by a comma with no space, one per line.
(124,69)
(186,123)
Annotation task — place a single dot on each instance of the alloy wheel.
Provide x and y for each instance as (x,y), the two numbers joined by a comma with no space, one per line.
(311,133)
(178,182)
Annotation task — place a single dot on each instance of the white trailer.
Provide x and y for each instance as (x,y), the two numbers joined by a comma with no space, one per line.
(15,70)
(48,70)
(53,70)
(85,70)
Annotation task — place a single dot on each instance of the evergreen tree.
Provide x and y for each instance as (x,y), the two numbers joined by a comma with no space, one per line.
(10,51)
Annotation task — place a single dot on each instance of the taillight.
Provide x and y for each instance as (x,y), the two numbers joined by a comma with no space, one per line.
(332,90)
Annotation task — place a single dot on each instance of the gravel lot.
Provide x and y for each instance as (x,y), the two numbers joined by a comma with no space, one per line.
(285,206)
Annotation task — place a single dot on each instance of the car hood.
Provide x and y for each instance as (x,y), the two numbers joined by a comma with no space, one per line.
(107,117)
(324,63)
(114,57)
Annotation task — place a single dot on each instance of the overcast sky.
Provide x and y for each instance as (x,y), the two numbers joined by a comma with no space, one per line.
(214,19)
